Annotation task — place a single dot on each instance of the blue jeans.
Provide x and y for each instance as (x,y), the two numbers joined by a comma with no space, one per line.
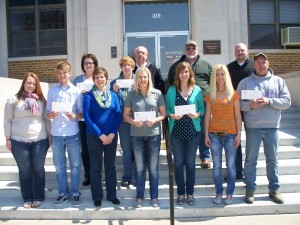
(125,141)
(30,158)
(184,156)
(59,146)
(84,149)
(239,162)
(146,153)
(254,137)
(96,150)
(203,149)
(217,145)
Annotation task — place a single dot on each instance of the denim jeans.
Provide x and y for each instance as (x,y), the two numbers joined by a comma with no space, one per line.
(97,149)
(239,162)
(146,153)
(30,158)
(85,157)
(254,137)
(59,146)
(203,149)
(128,161)
(184,156)
(217,145)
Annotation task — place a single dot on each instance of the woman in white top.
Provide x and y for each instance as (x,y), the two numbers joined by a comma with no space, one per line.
(26,128)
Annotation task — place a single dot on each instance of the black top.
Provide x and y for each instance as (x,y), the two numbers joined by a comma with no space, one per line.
(184,128)
(238,73)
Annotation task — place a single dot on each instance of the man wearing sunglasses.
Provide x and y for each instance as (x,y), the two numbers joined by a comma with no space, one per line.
(202,70)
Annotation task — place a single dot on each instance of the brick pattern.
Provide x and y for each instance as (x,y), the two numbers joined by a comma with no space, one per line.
(45,69)
(282,63)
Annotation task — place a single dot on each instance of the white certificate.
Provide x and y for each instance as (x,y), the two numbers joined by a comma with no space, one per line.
(85,86)
(185,109)
(251,94)
(150,116)
(125,83)
(61,107)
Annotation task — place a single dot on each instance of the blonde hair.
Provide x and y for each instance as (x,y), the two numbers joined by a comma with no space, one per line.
(213,83)
(127,59)
(136,80)
(65,66)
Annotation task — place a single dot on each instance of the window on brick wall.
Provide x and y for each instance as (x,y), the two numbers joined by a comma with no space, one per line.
(36,27)
(266,18)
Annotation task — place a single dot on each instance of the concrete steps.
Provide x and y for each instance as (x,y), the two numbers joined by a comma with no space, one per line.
(289,170)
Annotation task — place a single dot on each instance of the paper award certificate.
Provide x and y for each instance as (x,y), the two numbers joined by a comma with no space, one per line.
(143,116)
(85,86)
(251,94)
(185,109)
(125,83)
(61,107)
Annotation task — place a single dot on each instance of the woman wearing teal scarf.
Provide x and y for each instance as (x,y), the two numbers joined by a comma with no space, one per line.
(102,115)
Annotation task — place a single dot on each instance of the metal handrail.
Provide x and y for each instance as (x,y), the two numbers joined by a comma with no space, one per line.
(170,160)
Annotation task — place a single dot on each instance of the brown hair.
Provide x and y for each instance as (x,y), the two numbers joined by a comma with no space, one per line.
(38,89)
(89,55)
(182,66)
(100,70)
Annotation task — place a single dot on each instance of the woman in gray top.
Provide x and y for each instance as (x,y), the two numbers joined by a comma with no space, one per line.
(26,128)
(145,131)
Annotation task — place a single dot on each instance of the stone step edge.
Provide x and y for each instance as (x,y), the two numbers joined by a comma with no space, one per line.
(12,209)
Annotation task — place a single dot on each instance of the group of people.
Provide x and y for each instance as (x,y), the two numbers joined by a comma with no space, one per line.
(205,107)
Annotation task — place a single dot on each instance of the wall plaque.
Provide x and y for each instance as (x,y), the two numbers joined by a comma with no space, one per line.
(113,52)
(212,47)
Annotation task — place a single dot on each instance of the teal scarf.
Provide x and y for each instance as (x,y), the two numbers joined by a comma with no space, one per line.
(104,99)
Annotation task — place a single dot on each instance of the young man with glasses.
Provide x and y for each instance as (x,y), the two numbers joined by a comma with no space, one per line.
(202,70)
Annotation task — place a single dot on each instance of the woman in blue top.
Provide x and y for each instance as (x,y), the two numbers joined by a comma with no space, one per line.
(102,115)
(88,63)
(127,65)
(184,129)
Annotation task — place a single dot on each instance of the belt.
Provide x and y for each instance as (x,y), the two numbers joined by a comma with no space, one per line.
(221,134)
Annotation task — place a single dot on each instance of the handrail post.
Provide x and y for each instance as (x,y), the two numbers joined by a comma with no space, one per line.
(171,169)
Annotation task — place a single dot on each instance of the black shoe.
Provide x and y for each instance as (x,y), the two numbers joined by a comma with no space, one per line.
(97,203)
(115,201)
(86,182)
(125,183)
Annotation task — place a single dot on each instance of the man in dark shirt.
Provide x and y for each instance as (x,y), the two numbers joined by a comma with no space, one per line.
(141,59)
(240,69)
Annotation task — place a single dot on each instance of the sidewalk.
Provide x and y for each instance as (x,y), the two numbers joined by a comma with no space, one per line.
(287,219)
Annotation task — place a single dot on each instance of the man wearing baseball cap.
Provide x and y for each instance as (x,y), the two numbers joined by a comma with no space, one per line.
(262,118)
(202,70)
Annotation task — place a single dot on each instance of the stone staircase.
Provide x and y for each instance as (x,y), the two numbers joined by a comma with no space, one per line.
(289,169)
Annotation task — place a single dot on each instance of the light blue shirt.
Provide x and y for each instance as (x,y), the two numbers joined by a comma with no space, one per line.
(62,125)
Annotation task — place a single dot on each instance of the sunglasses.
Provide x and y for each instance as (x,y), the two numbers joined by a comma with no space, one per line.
(191,49)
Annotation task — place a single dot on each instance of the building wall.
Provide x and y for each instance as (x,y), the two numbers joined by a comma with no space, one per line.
(283,62)
(45,69)
(95,26)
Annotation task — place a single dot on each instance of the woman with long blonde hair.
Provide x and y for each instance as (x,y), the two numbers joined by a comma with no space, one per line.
(222,129)
(145,132)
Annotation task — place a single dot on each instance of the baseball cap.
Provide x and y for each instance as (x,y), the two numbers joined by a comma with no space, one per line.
(260,54)
(190,42)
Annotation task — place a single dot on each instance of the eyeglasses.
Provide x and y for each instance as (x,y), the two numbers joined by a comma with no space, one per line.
(88,63)
(191,49)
